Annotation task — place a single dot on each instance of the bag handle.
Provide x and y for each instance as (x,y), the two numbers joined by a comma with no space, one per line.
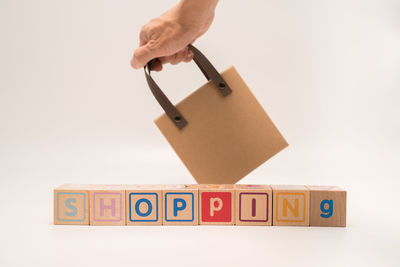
(208,70)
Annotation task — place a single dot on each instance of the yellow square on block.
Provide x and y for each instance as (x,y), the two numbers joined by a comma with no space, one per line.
(143,204)
(71,204)
(180,204)
(291,205)
(107,205)
(253,204)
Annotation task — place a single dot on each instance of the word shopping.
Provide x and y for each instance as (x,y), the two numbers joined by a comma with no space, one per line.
(295,205)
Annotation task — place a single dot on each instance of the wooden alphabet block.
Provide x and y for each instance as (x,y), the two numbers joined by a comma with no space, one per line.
(253,204)
(71,204)
(327,206)
(143,204)
(107,205)
(291,205)
(217,204)
(180,204)
(214,204)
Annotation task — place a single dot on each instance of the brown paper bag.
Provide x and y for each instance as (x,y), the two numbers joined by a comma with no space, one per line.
(220,131)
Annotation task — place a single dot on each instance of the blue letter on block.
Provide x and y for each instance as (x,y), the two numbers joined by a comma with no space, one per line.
(149,207)
(326,213)
(69,205)
(182,206)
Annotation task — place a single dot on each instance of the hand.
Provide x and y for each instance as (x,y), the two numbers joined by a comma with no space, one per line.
(166,37)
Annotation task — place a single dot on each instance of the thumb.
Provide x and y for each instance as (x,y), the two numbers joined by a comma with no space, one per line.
(144,54)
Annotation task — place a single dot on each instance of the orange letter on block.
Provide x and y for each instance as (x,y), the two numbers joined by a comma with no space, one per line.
(295,210)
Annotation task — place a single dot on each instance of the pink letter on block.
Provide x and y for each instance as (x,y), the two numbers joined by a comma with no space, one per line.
(100,208)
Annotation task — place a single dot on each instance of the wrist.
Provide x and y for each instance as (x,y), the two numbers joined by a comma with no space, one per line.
(208,3)
(195,12)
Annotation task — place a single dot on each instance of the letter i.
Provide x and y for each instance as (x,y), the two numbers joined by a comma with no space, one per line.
(253,207)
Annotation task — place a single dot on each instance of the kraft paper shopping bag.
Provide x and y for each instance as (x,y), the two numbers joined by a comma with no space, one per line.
(220,131)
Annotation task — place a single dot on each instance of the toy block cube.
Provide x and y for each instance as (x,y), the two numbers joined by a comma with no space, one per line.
(143,204)
(180,204)
(71,204)
(217,204)
(291,205)
(107,205)
(327,206)
(253,204)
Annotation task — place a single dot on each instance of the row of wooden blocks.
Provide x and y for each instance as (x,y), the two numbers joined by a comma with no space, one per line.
(200,204)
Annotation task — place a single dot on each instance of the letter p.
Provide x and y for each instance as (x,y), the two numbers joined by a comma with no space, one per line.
(181,206)
(214,207)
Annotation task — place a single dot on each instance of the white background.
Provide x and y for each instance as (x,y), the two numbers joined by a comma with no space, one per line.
(73,111)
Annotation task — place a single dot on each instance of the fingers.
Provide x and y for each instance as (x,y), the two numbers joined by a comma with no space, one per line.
(144,54)
(157,65)
(184,55)
(180,56)
(155,46)
(189,56)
